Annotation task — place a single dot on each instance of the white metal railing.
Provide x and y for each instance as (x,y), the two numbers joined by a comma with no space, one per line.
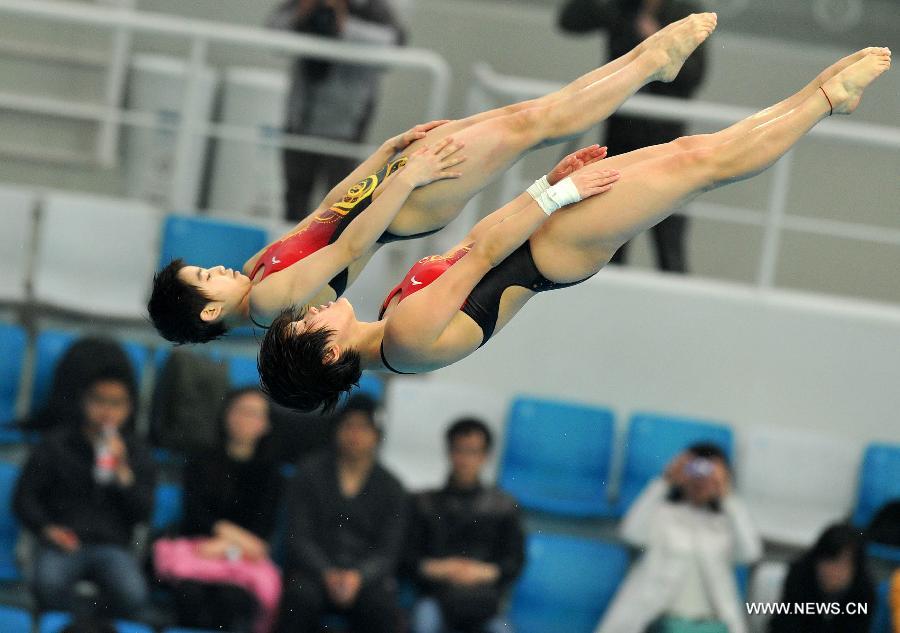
(123,22)
(491,89)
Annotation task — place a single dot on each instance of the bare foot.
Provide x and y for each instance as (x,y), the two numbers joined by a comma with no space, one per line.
(844,62)
(674,43)
(845,89)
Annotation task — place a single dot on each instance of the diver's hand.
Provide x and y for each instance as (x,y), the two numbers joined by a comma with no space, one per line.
(575,161)
(402,141)
(432,163)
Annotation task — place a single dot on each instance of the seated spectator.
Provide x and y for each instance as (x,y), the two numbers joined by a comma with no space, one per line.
(346,530)
(82,492)
(692,530)
(894,601)
(224,574)
(833,571)
(466,543)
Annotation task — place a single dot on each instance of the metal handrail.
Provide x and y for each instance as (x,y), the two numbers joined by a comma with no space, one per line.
(201,33)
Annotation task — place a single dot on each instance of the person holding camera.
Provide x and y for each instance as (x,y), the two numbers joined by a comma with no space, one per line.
(692,531)
(329,99)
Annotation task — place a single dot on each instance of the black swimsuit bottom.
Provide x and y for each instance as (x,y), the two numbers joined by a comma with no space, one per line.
(483,303)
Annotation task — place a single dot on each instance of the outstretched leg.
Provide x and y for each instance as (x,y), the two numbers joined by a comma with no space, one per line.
(698,141)
(579,241)
(494,144)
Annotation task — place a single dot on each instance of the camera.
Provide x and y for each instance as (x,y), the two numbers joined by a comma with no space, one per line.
(698,468)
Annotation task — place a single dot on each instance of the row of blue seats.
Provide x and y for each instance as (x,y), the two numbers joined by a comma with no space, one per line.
(558,458)
(13,620)
(50,345)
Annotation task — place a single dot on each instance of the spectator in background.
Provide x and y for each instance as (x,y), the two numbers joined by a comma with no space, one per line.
(346,529)
(330,99)
(834,570)
(466,543)
(627,23)
(231,501)
(692,531)
(82,492)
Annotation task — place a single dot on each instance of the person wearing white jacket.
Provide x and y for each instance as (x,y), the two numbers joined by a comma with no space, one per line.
(692,531)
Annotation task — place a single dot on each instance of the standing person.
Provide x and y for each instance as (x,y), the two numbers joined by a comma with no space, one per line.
(224,571)
(346,529)
(466,544)
(833,571)
(82,492)
(692,530)
(330,99)
(628,22)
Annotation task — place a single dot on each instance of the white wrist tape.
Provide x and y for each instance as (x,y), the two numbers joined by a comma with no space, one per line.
(538,187)
(559,195)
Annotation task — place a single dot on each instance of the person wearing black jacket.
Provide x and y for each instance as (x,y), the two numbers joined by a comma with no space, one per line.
(231,496)
(82,492)
(833,573)
(627,23)
(346,529)
(466,543)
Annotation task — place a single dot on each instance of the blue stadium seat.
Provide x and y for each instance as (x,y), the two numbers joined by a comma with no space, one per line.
(209,242)
(242,371)
(56,621)
(653,440)
(12,354)
(371,385)
(567,584)
(14,620)
(167,506)
(9,526)
(557,457)
(881,618)
(879,481)
(889,553)
(49,348)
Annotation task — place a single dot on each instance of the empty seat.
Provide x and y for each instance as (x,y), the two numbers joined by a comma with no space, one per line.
(208,242)
(419,412)
(96,255)
(566,585)
(557,457)
(653,440)
(167,506)
(15,241)
(9,526)
(879,481)
(56,621)
(796,483)
(13,340)
(50,347)
(14,620)
(881,620)
(242,371)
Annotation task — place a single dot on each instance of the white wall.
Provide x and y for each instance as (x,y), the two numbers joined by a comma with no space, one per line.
(641,341)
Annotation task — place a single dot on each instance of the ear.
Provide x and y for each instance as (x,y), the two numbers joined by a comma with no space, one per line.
(211,312)
(332,354)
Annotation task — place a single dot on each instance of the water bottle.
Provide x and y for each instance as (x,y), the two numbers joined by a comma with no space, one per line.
(104,460)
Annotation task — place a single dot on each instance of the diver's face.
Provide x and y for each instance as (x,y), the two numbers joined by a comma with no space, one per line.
(223,286)
(335,315)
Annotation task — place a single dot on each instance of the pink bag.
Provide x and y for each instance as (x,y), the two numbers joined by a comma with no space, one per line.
(178,559)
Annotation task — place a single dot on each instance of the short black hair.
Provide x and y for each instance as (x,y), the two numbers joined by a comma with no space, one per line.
(293,370)
(175,308)
(709,450)
(467,426)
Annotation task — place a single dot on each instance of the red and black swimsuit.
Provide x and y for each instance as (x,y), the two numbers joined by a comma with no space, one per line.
(483,303)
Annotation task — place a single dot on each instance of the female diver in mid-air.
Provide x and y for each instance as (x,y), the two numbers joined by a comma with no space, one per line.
(324,253)
(449,305)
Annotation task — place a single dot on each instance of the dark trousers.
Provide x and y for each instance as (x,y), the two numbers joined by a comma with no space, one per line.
(305,601)
(301,169)
(114,569)
(626,134)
